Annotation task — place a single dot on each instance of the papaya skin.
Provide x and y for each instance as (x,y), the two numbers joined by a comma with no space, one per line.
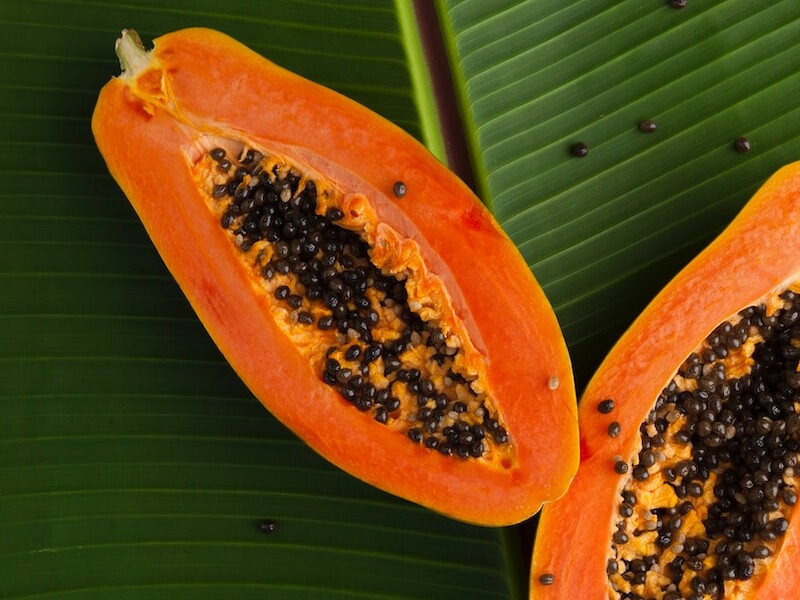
(755,256)
(198,82)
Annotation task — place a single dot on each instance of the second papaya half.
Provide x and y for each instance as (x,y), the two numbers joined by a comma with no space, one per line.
(359,289)
(690,432)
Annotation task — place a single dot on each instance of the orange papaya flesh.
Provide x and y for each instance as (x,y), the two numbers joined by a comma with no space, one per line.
(357,301)
(359,289)
(690,432)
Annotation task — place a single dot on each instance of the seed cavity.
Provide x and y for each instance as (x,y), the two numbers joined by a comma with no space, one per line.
(357,300)
(712,484)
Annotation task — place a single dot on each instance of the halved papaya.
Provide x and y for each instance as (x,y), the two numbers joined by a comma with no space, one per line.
(359,289)
(690,432)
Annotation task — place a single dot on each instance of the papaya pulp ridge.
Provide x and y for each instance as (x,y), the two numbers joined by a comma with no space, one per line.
(158,127)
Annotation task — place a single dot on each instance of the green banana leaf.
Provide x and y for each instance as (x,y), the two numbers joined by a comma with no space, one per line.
(605,232)
(134,463)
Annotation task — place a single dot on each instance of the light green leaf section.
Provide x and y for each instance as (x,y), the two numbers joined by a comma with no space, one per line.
(421,84)
(603,233)
(133,462)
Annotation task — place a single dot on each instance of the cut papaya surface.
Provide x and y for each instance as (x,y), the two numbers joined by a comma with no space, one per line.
(690,432)
(358,288)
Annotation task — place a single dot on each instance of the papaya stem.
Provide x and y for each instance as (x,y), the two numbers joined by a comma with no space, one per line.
(133,58)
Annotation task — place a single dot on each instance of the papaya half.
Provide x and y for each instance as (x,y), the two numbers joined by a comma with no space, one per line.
(360,290)
(690,432)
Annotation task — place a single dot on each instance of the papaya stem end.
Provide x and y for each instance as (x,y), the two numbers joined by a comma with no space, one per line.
(133,58)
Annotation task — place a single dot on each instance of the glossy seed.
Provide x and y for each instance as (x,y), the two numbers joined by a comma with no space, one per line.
(381,414)
(547,579)
(647,126)
(605,406)
(415,435)
(325,323)
(500,436)
(399,189)
(742,144)
(612,567)
(579,149)
(267,526)
(334,214)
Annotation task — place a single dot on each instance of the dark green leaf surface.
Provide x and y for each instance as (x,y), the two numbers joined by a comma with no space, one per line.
(603,233)
(133,462)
